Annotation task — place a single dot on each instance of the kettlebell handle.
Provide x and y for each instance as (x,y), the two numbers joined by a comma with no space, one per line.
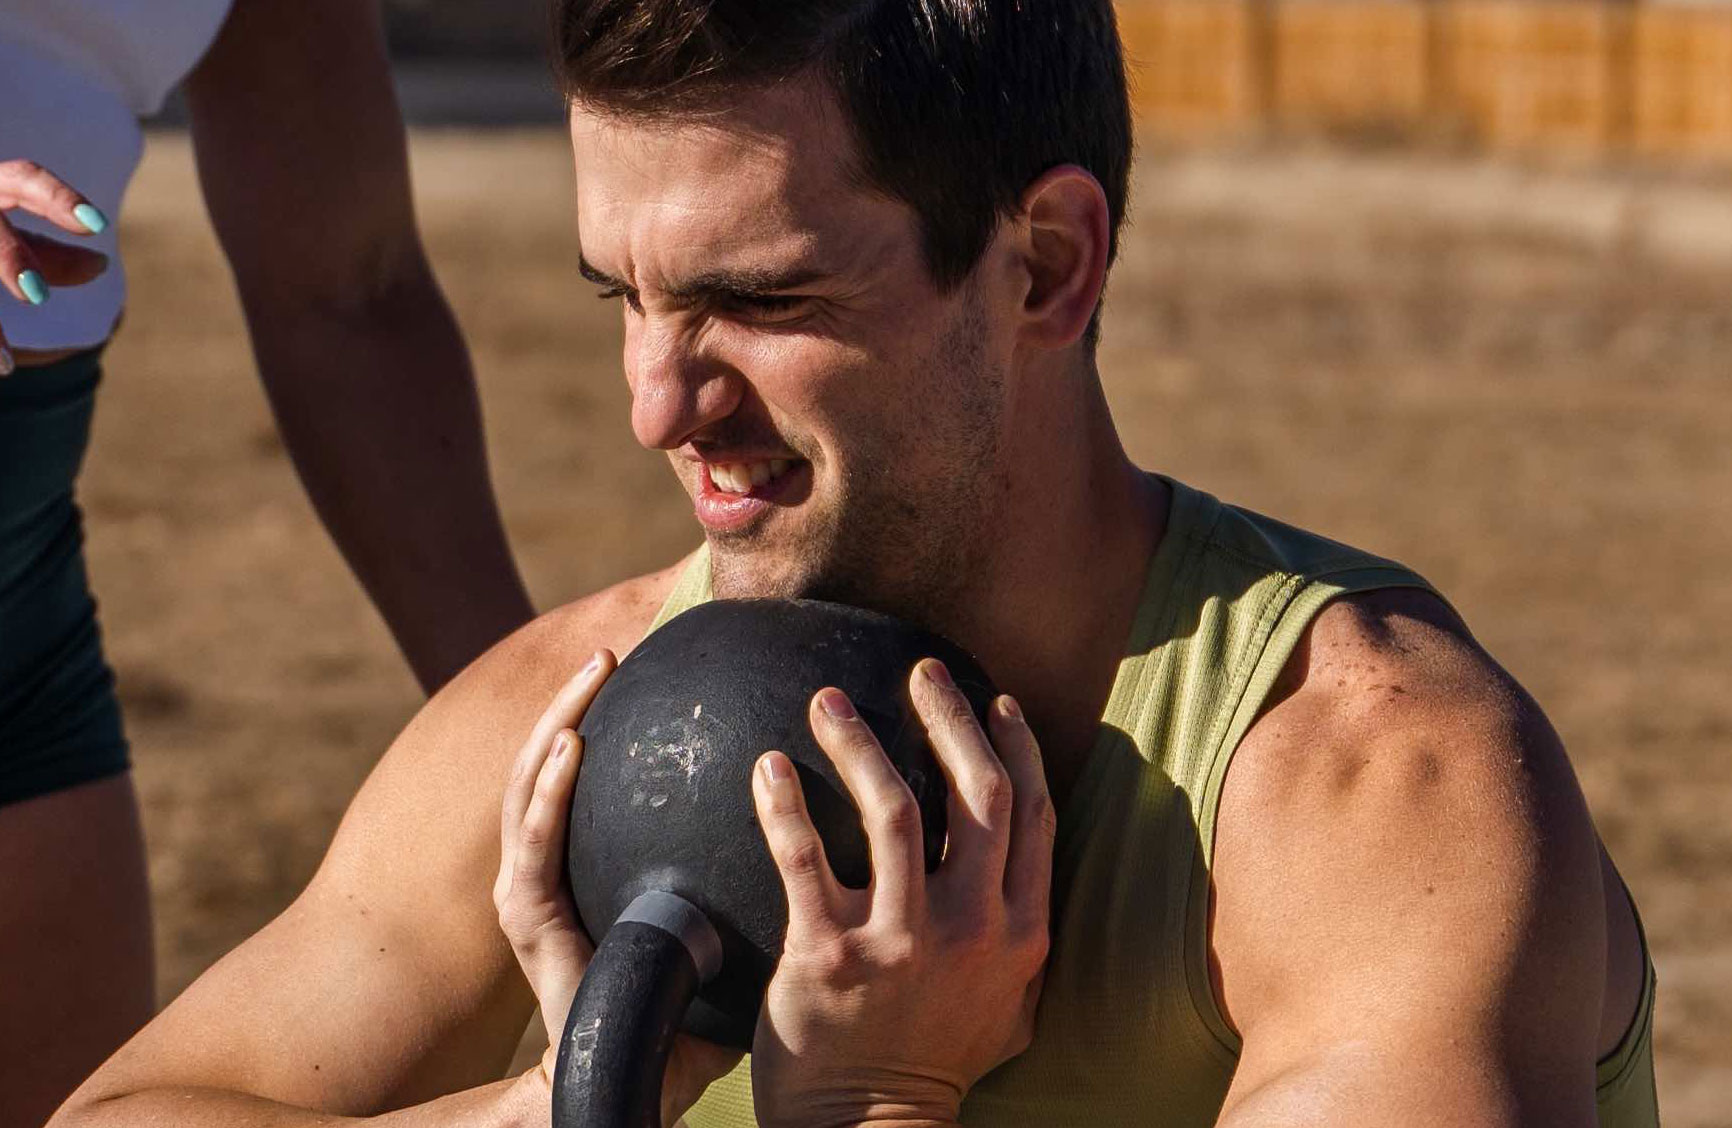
(627,1013)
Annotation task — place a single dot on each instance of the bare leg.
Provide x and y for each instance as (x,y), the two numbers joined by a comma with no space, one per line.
(76,975)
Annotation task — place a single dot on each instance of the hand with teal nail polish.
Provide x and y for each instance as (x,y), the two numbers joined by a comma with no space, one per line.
(92,218)
(35,287)
(32,265)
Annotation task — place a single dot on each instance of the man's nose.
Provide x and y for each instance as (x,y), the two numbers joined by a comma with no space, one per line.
(677,389)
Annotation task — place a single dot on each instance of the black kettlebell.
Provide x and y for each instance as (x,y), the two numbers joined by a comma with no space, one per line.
(666,860)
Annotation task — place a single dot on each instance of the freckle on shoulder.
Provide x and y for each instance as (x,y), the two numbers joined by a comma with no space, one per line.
(1376,649)
(1371,669)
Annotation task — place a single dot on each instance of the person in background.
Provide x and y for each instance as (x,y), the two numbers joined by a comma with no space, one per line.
(301,154)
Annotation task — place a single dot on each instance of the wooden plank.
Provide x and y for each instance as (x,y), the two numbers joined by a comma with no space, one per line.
(1350,64)
(1582,77)
(1683,86)
(1534,74)
(1191,66)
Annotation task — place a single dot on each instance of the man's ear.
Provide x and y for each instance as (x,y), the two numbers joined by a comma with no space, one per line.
(1068,233)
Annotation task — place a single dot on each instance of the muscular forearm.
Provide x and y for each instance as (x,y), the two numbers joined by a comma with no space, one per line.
(378,408)
(519,1103)
(304,166)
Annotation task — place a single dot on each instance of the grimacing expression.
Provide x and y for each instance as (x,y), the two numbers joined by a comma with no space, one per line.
(834,417)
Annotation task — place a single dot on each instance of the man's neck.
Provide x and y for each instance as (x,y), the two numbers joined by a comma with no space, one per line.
(1050,616)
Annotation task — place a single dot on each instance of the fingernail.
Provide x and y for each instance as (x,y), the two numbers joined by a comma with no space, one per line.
(1008,706)
(775,769)
(936,673)
(92,218)
(7,365)
(836,703)
(34,286)
(562,744)
(591,667)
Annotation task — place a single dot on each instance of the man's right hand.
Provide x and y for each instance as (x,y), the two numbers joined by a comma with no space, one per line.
(30,265)
(536,910)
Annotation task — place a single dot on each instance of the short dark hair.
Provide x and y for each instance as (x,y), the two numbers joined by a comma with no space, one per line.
(957,106)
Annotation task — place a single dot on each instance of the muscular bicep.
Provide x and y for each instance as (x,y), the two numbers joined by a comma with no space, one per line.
(324,1012)
(386,982)
(302,154)
(1407,915)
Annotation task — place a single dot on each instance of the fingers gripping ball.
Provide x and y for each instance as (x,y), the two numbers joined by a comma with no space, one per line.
(664,801)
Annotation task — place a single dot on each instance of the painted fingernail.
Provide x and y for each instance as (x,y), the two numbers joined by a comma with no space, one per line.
(35,287)
(936,673)
(7,365)
(1008,706)
(92,218)
(836,703)
(775,769)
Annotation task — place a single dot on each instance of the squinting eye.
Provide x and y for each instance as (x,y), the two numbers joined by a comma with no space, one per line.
(767,305)
(630,297)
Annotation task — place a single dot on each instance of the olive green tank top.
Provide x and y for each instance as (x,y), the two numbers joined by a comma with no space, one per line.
(1128,1031)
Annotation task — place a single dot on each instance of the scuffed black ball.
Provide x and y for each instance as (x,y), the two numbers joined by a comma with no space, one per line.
(664,797)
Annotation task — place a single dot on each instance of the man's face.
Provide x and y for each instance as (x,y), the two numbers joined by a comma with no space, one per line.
(834,417)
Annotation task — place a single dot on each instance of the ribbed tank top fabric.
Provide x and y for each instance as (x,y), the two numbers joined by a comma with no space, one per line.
(1625,1095)
(1128,1032)
(691,589)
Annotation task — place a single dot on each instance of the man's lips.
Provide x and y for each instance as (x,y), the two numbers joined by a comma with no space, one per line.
(736,491)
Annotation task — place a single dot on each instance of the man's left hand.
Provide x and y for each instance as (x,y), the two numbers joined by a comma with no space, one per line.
(890,1002)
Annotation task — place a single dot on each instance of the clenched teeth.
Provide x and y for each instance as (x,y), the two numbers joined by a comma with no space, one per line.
(743,477)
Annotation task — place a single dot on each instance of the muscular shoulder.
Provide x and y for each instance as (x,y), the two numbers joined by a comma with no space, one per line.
(390,968)
(1387,692)
(1401,831)
(528,665)
(447,769)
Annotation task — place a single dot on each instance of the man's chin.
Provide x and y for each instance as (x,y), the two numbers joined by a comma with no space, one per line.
(746,568)
(765,575)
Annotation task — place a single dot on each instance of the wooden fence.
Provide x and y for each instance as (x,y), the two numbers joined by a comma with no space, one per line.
(1574,76)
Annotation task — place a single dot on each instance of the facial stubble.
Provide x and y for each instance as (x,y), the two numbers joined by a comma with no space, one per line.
(911,523)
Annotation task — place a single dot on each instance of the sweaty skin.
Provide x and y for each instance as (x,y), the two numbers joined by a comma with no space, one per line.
(776,311)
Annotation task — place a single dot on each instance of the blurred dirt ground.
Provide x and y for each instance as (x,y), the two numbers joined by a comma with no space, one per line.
(1517,380)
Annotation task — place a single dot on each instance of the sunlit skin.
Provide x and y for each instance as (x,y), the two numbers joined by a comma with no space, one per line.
(950,457)
(1410,922)
(957,461)
(937,443)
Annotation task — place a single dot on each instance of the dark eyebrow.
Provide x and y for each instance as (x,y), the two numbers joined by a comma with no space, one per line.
(744,282)
(591,274)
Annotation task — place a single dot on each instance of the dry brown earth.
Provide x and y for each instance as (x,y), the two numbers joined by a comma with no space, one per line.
(1518,380)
